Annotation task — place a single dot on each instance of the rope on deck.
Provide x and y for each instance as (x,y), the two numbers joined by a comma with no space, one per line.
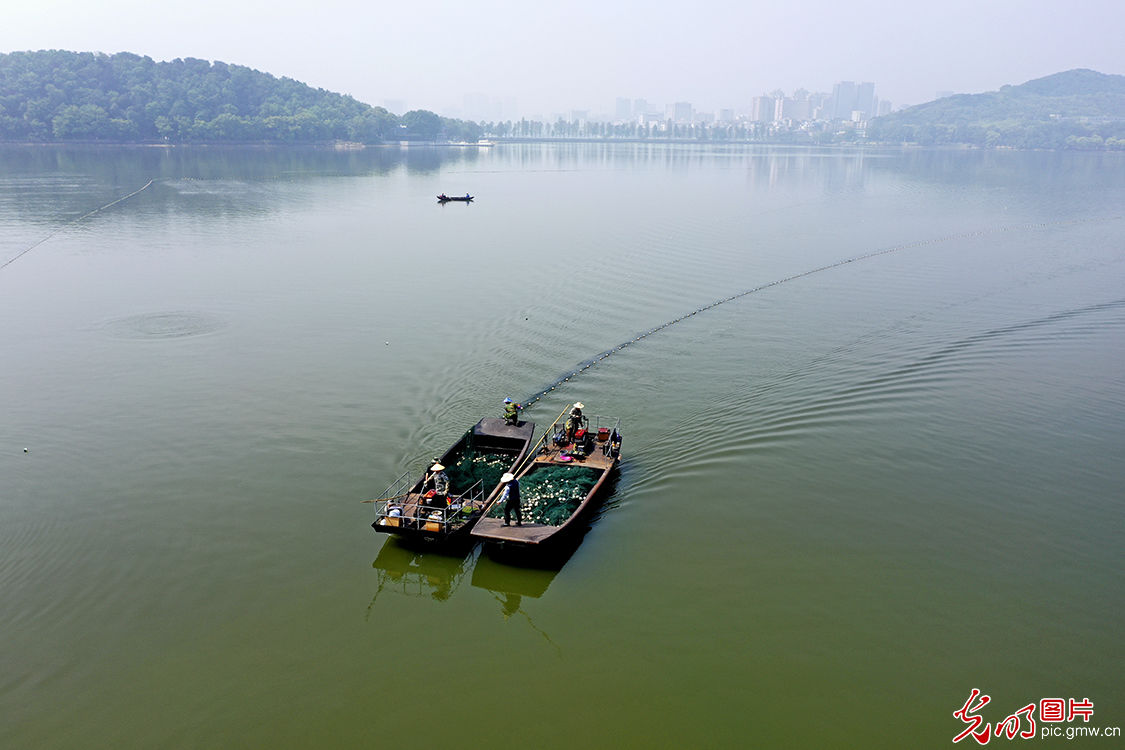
(587,364)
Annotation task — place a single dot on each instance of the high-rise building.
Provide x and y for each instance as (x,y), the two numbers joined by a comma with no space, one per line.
(865,100)
(797,110)
(848,99)
(762,109)
(624,109)
(843,100)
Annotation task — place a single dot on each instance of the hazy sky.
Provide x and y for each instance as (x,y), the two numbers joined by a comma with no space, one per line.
(582,54)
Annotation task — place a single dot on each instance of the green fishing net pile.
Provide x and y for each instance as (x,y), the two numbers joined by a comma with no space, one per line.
(475,465)
(550,494)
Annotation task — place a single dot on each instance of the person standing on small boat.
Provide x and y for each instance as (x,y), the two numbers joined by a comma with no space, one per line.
(576,421)
(511,498)
(511,411)
(440,482)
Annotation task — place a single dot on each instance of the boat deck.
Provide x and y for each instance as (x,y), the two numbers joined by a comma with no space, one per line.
(416,514)
(493,529)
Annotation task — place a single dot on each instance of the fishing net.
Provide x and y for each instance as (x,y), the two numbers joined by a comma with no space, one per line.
(550,494)
(474,465)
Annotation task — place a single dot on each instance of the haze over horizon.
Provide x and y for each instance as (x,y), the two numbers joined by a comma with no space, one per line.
(551,59)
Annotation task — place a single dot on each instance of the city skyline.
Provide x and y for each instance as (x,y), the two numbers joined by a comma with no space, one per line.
(846,100)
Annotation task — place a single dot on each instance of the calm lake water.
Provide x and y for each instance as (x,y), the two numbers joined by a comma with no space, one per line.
(846,499)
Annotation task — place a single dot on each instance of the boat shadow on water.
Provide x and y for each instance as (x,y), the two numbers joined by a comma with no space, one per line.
(509,585)
(417,571)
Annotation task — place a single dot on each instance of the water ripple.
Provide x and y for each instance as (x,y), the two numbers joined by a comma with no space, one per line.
(164,325)
(820,397)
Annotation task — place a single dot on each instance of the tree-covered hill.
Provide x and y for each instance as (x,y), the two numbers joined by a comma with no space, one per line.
(57,96)
(1075,109)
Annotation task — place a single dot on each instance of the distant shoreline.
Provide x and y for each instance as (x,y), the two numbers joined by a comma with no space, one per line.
(344,147)
(434,144)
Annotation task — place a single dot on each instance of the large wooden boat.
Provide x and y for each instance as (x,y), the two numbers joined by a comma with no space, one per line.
(474,464)
(557,488)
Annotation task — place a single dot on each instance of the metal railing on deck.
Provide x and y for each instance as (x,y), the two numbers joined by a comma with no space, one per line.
(594,436)
(391,512)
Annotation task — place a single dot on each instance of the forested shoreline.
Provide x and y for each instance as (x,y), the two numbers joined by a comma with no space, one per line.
(55,96)
(1075,109)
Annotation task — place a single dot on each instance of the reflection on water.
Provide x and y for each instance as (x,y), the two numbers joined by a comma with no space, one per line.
(508,585)
(55,184)
(417,573)
(513,580)
(124,165)
(421,573)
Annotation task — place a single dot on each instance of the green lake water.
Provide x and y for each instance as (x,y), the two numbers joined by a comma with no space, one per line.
(845,499)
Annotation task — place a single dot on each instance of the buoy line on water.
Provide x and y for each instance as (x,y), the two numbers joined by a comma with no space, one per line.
(587,364)
(72,222)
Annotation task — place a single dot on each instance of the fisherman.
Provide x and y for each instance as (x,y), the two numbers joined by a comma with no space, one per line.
(511,411)
(576,421)
(511,498)
(439,481)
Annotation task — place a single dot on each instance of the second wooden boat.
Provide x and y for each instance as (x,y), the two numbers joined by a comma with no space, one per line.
(557,488)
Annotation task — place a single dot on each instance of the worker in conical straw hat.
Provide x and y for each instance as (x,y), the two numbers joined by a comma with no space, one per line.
(576,421)
(511,498)
(439,481)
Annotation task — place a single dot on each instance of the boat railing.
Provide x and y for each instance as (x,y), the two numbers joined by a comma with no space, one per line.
(392,498)
(399,487)
(609,440)
(389,510)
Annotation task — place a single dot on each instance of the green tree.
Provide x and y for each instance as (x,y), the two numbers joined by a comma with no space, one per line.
(421,123)
(88,121)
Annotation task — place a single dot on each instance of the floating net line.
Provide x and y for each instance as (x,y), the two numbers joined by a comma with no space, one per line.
(71,223)
(581,367)
(550,494)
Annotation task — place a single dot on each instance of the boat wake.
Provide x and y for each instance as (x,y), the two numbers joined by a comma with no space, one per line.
(585,365)
(824,393)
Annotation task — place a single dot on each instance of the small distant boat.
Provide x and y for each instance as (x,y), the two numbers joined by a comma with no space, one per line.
(474,465)
(443,198)
(556,489)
